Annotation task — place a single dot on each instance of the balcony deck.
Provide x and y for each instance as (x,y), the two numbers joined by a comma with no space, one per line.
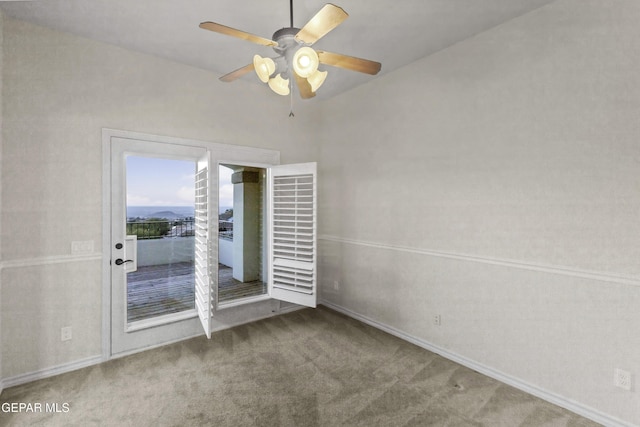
(169,288)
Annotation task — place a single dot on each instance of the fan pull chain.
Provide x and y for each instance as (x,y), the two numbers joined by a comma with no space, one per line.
(291,100)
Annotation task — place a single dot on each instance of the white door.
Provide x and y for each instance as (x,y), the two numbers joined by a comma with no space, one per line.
(291,243)
(152,254)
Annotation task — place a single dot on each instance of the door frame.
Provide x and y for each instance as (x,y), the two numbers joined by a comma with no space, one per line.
(231,153)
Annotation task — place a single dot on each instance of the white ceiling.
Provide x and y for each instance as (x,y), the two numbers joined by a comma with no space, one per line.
(393,32)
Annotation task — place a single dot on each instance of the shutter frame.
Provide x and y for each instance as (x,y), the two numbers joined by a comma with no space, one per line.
(292,233)
(203,253)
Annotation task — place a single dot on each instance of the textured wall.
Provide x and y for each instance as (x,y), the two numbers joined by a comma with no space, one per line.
(59,92)
(496,183)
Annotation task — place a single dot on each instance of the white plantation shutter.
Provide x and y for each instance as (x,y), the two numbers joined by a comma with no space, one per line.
(203,288)
(292,235)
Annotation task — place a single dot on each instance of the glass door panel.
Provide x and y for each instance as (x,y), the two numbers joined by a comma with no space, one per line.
(160,213)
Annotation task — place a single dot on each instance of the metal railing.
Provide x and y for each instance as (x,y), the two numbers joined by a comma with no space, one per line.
(225,230)
(159,229)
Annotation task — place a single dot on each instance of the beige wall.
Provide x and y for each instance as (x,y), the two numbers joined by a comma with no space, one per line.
(59,92)
(494,183)
(497,183)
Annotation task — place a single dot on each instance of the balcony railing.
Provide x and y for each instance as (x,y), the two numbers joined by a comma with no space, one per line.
(159,229)
(225,230)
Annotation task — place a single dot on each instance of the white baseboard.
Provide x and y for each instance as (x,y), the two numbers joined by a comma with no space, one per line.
(50,372)
(558,400)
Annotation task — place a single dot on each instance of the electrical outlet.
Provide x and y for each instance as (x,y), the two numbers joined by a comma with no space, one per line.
(336,285)
(437,320)
(65,333)
(622,379)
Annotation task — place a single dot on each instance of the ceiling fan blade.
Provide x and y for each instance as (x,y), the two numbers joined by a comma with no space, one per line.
(349,62)
(236,74)
(304,87)
(327,18)
(223,29)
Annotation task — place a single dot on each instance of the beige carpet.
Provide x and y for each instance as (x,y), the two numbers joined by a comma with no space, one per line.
(306,368)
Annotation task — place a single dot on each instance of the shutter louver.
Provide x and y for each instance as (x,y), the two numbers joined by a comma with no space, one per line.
(293,241)
(203,297)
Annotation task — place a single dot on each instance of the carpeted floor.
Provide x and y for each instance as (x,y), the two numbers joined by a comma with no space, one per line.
(306,368)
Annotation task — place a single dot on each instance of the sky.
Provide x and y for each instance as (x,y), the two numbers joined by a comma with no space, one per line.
(168,182)
(225,191)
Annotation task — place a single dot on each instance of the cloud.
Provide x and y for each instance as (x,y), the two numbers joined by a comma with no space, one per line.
(226,195)
(135,200)
(187,194)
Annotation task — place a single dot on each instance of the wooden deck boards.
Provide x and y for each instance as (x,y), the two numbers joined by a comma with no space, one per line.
(156,290)
(230,288)
(163,289)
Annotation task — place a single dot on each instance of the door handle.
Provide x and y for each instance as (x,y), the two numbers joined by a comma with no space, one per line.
(120,261)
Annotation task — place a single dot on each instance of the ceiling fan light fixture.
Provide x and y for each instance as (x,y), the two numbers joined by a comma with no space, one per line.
(305,61)
(316,79)
(279,85)
(264,67)
(296,63)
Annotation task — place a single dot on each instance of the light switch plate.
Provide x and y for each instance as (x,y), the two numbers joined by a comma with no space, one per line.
(81,247)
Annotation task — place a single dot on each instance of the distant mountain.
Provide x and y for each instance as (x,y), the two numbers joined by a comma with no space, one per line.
(165,214)
(169,212)
(224,216)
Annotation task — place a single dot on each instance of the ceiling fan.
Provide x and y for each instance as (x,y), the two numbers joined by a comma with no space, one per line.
(296,60)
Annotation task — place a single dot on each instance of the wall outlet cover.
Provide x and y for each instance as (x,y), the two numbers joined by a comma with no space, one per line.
(66,333)
(622,379)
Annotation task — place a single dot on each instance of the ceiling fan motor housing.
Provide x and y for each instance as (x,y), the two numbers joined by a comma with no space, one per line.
(286,38)
(286,48)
